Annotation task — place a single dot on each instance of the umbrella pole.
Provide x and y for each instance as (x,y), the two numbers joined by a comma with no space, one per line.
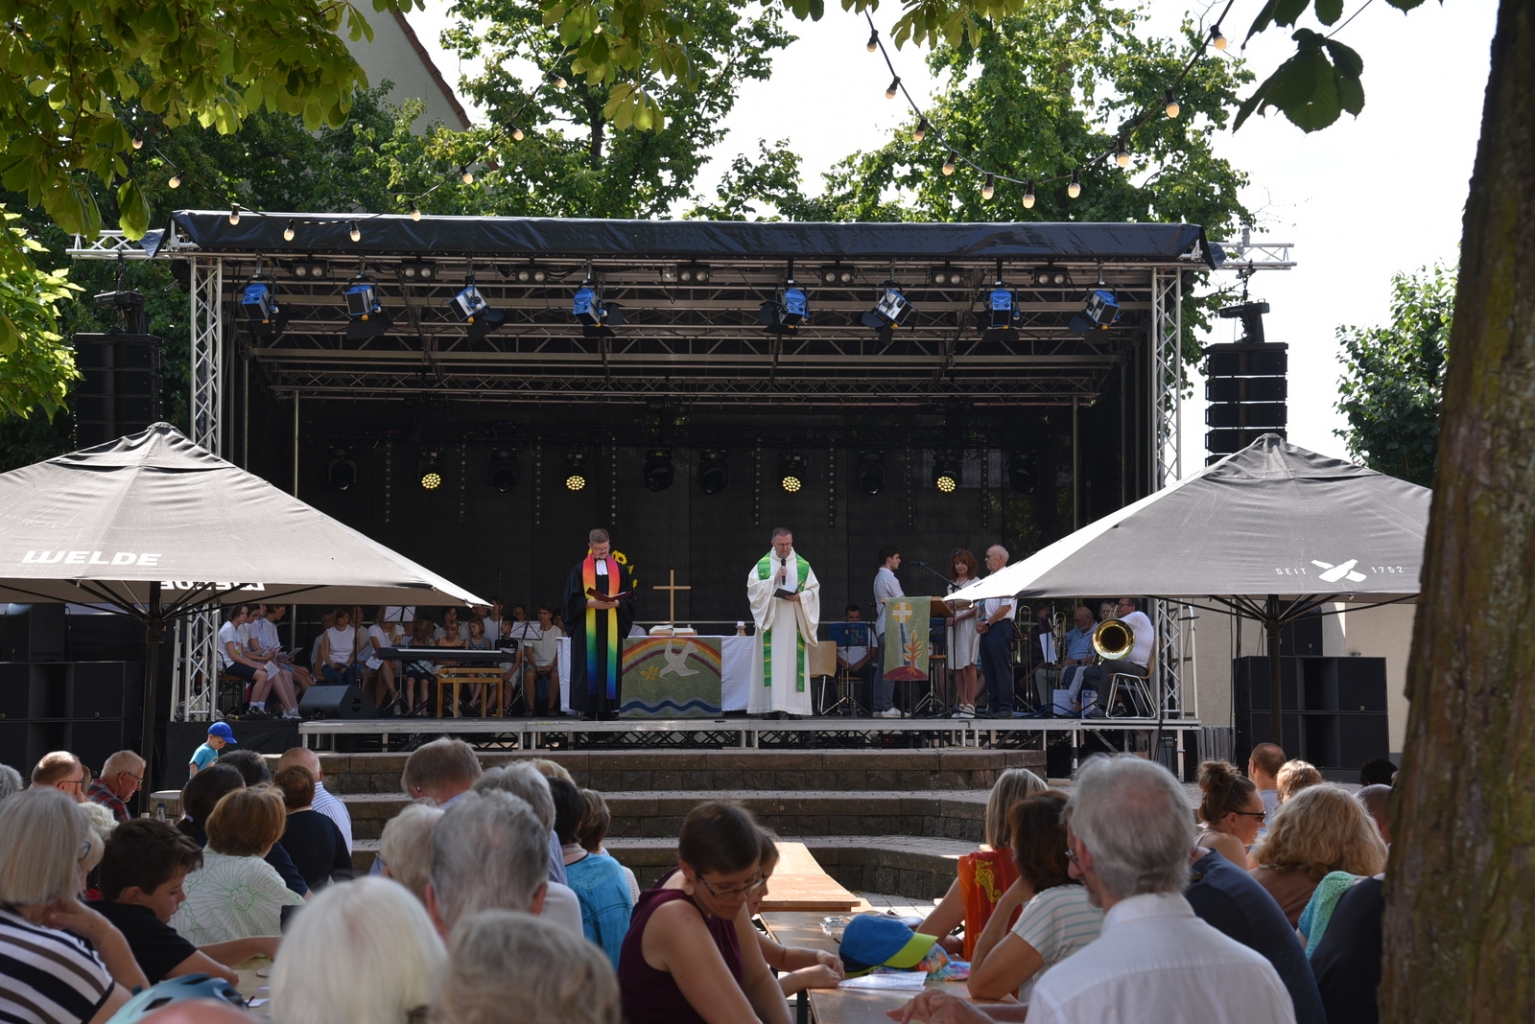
(1276,718)
(154,635)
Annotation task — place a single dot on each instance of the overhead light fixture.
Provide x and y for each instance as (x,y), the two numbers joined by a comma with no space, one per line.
(309,270)
(514,131)
(659,471)
(465,174)
(1028,196)
(1001,312)
(234,214)
(713,471)
(597,319)
(1121,153)
(528,273)
(354,232)
(693,273)
(575,470)
(418,271)
(1217,37)
(1075,188)
(948,473)
(287,232)
(921,132)
(504,469)
(1021,472)
(472,308)
(893,88)
(431,472)
(891,311)
(555,79)
(871,472)
(946,276)
(785,313)
(838,273)
(257,301)
(792,476)
(1099,312)
(341,471)
(948,165)
(368,319)
(1048,277)
(1171,102)
(990,188)
(873,43)
(415,211)
(175,181)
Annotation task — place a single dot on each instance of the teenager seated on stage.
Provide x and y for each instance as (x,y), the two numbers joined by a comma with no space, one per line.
(798,968)
(692,955)
(142,872)
(984,875)
(541,664)
(855,658)
(419,675)
(337,654)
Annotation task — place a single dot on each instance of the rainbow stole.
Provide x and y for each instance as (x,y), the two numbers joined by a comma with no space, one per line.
(764,570)
(589,583)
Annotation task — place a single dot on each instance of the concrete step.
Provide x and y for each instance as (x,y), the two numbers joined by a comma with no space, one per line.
(939,814)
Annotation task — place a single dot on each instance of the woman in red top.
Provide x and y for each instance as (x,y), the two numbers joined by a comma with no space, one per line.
(691,955)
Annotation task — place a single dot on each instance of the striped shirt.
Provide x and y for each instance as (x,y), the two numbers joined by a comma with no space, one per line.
(1057,923)
(47,976)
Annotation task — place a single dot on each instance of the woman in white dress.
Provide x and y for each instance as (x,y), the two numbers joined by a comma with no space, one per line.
(963,639)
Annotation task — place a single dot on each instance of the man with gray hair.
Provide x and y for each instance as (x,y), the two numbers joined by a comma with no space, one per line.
(527,784)
(121,777)
(488,852)
(1128,834)
(440,771)
(994,623)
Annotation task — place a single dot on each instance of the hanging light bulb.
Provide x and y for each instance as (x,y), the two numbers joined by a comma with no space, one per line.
(873,40)
(466,175)
(415,211)
(1217,37)
(516,132)
(921,132)
(895,87)
(356,232)
(556,79)
(175,181)
(234,214)
(1028,196)
(990,188)
(1075,188)
(1121,153)
(287,232)
(948,165)
(1172,104)
(138,142)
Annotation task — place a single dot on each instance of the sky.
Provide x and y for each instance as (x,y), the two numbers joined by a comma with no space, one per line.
(1358,201)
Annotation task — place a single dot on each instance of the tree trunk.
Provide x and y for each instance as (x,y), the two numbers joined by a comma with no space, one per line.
(1460,891)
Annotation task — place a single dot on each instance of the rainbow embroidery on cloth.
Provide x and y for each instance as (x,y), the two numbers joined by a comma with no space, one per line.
(589,583)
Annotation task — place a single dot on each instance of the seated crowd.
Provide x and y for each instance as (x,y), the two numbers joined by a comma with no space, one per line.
(492,899)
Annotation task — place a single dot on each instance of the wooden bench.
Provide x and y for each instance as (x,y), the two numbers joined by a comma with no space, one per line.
(459,676)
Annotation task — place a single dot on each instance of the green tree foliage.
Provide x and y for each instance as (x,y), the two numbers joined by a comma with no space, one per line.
(35,364)
(1394,377)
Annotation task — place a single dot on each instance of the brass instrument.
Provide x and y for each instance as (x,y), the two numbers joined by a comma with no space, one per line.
(1113,639)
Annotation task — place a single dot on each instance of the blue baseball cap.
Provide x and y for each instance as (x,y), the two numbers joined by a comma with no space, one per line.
(223,732)
(873,940)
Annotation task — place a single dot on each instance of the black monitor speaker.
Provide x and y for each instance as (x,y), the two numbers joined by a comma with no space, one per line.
(336,702)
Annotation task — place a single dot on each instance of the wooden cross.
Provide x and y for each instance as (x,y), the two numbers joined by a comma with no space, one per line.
(671,618)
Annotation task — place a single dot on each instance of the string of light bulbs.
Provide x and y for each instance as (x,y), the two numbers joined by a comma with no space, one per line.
(1120,151)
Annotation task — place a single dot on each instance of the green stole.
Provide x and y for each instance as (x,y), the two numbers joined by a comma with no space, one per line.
(764,570)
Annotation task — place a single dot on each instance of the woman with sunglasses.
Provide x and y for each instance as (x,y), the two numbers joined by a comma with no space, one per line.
(1231,812)
(691,954)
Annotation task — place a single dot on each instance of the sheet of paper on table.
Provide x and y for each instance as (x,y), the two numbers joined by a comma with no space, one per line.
(905,981)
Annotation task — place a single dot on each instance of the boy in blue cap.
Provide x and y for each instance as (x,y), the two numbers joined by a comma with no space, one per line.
(219,733)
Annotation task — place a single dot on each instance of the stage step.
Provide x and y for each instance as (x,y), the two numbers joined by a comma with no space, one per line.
(790,813)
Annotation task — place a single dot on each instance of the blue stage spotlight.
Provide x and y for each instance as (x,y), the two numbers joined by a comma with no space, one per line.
(471,308)
(891,311)
(257,301)
(1099,313)
(784,313)
(595,317)
(368,319)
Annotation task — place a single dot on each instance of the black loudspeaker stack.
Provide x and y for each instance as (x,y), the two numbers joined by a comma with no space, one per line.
(120,386)
(336,702)
(1332,711)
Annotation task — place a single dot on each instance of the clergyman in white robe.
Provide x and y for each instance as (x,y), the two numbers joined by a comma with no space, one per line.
(785,633)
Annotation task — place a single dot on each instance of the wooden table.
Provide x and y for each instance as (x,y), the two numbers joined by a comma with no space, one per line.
(253,986)
(800,883)
(838,1005)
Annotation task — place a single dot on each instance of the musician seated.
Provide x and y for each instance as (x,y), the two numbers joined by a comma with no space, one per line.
(1079,647)
(855,659)
(1136,663)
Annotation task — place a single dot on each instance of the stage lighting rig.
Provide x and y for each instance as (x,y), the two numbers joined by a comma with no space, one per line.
(891,311)
(946,276)
(527,273)
(693,273)
(837,274)
(871,472)
(368,319)
(1051,277)
(948,473)
(1001,313)
(713,471)
(785,313)
(471,308)
(504,469)
(341,471)
(597,319)
(575,470)
(659,470)
(1099,312)
(792,473)
(309,270)
(418,272)
(432,472)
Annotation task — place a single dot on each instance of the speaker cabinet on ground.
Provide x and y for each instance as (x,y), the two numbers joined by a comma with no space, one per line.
(91,708)
(336,702)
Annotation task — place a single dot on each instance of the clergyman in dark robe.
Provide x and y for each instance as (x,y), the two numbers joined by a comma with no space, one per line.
(599,609)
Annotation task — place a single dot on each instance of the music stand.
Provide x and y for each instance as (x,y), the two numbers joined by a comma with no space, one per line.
(846,635)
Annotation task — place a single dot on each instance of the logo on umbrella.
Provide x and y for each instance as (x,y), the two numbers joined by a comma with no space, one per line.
(1343,570)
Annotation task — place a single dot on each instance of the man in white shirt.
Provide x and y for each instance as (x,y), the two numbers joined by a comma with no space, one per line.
(541,663)
(324,802)
(994,624)
(886,588)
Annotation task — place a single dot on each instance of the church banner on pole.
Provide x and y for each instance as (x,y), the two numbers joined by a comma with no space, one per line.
(671,677)
(906,638)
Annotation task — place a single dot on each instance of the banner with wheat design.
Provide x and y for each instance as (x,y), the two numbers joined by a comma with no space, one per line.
(906,637)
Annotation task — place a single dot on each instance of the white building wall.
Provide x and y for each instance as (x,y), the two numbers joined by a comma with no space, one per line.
(396,54)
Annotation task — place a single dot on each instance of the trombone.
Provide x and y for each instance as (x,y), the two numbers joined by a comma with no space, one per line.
(1113,639)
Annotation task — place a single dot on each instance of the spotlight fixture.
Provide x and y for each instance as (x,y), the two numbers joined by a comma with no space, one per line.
(1171,102)
(1028,196)
(948,165)
(368,319)
(946,276)
(787,311)
(1121,153)
(947,473)
(891,311)
(431,472)
(873,43)
(791,472)
(871,472)
(597,319)
(575,470)
(529,273)
(1075,188)
(659,470)
(309,270)
(1021,472)
(990,188)
(837,273)
(418,271)
(693,273)
(341,471)
(1047,277)
(355,232)
(1099,312)
(257,301)
(504,469)
(1001,312)
(921,132)
(1217,37)
(234,214)
(713,471)
(415,211)
(287,232)
(893,88)
(471,308)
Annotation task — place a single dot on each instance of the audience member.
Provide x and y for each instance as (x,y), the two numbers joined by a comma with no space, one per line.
(1227,898)
(1347,960)
(60,961)
(1129,837)
(201,794)
(798,967)
(311,839)
(1377,803)
(598,882)
(691,945)
(1295,776)
(220,735)
(236,894)
(64,772)
(967,902)
(324,802)
(1230,812)
(506,967)
(551,769)
(142,872)
(121,777)
(523,780)
(1263,766)
(1318,830)
(440,771)
(255,771)
(10,781)
(488,852)
(1058,917)
(405,851)
(361,953)
(1377,772)
(594,829)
